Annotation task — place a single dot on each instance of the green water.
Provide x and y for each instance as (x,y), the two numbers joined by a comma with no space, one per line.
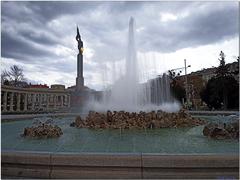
(165,140)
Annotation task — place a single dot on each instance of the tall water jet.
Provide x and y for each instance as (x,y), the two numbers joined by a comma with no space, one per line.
(131,76)
(125,90)
(128,94)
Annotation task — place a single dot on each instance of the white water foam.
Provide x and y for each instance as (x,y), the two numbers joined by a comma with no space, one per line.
(129,95)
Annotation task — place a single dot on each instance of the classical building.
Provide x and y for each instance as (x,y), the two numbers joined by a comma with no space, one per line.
(23,100)
(208,73)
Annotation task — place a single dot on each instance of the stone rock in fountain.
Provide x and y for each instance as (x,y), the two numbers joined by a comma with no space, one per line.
(78,122)
(43,131)
(141,120)
(222,130)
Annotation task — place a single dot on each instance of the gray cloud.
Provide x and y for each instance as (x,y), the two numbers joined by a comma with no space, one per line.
(15,48)
(38,32)
(44,10)
(210,25)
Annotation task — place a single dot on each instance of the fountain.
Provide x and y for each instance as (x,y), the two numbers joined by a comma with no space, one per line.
(129,95)
(126,138)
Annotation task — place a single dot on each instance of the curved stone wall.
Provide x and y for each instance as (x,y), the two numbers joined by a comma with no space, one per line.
(137,165)
(17,100)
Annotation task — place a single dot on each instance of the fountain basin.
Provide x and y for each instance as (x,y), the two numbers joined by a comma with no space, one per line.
(86,153)
(163,140)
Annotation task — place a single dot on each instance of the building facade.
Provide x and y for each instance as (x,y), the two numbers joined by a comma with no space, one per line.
(198,80)
(24,100)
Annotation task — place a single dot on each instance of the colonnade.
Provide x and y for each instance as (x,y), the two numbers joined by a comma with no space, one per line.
(33,101)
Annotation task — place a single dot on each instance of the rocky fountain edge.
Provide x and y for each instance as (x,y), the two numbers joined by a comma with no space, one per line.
(156,119)
(141,120)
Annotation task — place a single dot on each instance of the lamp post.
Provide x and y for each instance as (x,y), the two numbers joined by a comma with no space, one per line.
(186,82)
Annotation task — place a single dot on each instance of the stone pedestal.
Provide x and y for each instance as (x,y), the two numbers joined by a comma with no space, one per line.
(79,83)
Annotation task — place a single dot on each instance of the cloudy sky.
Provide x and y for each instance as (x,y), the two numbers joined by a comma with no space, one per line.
(40,37)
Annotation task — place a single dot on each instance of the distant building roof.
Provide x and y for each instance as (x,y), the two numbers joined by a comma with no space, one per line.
(57,86)
(85,88)
(38,86)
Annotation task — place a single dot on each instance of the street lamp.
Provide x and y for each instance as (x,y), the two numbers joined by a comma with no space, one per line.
(181,68)
(186,82)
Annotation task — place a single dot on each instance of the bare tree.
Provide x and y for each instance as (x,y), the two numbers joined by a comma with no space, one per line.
(14,77)
(4,77)
(16,74)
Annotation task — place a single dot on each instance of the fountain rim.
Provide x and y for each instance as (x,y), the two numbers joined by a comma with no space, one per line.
(119,165)
(13,117)
(116,153)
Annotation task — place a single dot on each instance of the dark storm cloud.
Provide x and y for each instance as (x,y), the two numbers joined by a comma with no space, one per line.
(28,19)
(214,25)
(15,48)
(211,25)
(40,38)
(44,10)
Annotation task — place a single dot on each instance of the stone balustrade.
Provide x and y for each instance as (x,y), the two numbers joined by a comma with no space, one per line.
(16,99)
